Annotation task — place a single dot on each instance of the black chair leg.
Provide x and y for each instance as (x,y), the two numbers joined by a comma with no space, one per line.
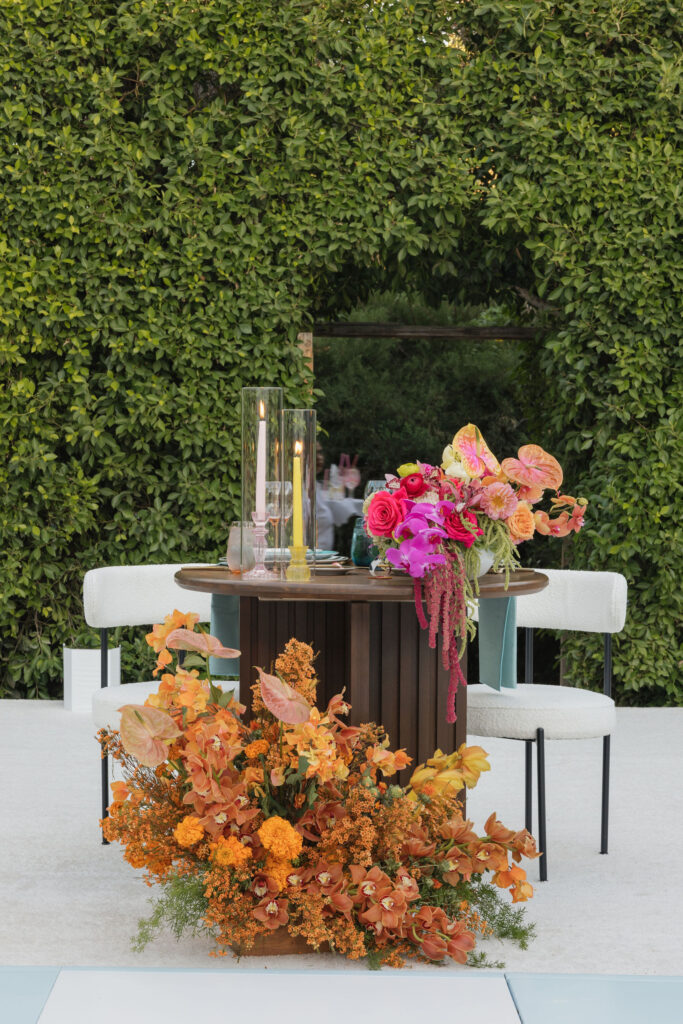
(528,755)
(105,792)
(104,681)
(604,825)
(540,755)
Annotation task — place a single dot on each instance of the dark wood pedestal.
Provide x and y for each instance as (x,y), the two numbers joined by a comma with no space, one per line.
(369,641)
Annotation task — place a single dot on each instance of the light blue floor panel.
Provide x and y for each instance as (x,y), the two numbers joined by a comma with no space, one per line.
(24,992)
(597,998)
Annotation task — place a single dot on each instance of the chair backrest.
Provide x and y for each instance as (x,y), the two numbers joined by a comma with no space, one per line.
(138,595)
(589,602)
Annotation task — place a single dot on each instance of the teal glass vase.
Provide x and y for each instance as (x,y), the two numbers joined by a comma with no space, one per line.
(363,551)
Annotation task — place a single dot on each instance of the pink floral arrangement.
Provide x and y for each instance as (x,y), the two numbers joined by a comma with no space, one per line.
(435,522)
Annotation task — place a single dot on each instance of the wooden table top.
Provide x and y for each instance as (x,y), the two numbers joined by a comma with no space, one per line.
(354,586)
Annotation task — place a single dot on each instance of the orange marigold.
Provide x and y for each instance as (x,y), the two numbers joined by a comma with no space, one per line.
(256,748)
(231,853)
(280,839)
(189,831)
(278,870)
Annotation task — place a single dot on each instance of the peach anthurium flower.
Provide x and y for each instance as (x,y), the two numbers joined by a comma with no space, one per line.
(202,643)
(534,468)
(475,455)
(146,733)
(283,702)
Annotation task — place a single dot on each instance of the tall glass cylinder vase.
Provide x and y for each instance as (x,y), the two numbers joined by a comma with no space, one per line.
(261,464)
(298,493)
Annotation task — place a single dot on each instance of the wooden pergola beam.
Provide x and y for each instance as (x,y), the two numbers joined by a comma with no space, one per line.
(367,330)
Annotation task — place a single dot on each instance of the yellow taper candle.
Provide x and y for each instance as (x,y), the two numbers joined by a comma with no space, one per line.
(297,513)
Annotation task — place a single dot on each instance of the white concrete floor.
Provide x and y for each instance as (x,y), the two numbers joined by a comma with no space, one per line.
(68,900)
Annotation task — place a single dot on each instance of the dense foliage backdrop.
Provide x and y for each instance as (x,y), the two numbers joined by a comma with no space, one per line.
(185,186)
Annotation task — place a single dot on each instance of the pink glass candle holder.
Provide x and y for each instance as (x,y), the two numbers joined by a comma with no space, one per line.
(261,463)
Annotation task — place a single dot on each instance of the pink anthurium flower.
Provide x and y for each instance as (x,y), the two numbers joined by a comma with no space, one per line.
(282,701)
(475,454)
(534,468)
(146,733)
(202,643)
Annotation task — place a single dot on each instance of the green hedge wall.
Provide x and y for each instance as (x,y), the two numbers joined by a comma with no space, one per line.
(576,109)
(184,186)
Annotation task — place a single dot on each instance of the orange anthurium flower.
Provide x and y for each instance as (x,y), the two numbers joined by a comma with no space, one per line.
(146,733)
(534,468)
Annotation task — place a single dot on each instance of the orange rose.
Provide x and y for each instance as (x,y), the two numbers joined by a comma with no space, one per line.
(521,523)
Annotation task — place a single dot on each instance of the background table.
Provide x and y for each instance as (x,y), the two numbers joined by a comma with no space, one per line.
(369,641)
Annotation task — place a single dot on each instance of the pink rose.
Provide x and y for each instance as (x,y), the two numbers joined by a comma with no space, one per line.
(453,525)
(385,512)
(414,485)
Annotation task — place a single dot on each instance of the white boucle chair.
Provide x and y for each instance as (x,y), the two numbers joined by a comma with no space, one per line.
(591,602)
(131,595)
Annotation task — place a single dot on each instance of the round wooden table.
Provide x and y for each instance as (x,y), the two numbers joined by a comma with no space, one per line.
(369,641)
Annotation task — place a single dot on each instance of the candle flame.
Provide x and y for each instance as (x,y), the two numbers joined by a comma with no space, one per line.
(298,447)
(262,410)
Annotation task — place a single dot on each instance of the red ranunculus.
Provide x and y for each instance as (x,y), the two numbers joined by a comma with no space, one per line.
(385,512)
(414,485)
(453,525)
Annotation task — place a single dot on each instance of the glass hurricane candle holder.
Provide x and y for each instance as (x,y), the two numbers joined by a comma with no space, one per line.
(261,462)
(298,468)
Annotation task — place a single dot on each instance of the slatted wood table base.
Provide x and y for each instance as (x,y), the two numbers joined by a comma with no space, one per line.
(369,644)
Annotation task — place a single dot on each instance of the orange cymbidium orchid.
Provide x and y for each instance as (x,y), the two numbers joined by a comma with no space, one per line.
(447,774)
(272,913)
(176,620)
(388,762)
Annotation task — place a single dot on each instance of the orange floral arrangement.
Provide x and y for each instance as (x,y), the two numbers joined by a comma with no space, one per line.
(288,821)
